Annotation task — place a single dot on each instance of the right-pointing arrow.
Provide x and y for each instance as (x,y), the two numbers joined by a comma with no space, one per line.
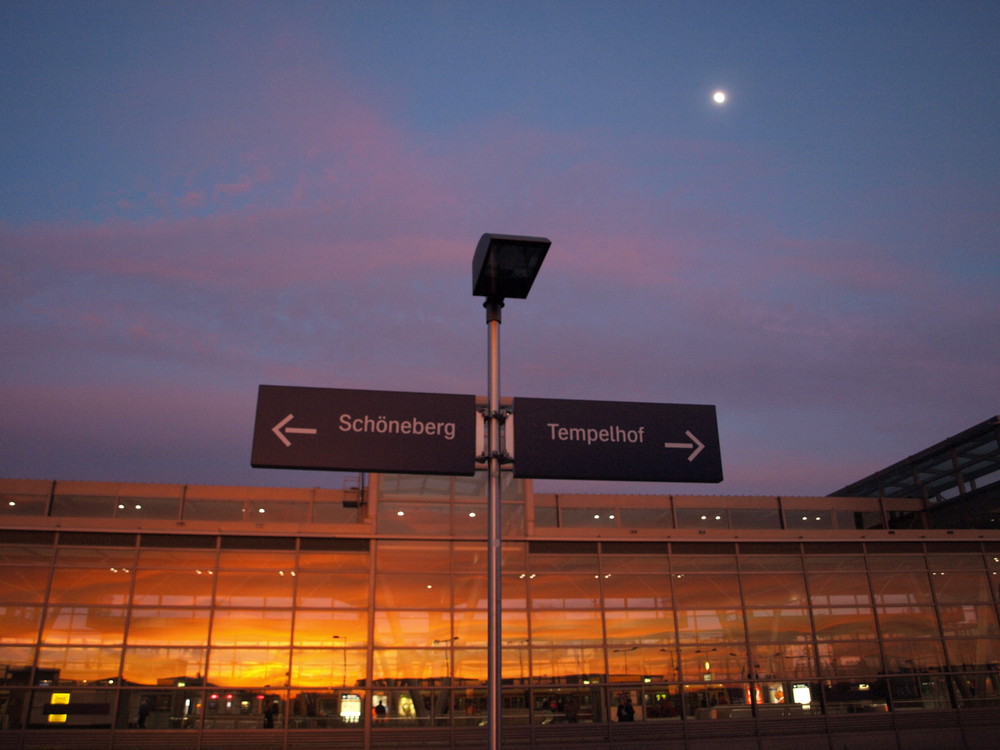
(695,442)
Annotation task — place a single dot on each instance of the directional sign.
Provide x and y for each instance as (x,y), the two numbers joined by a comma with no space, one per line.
(615,440)
(346,430)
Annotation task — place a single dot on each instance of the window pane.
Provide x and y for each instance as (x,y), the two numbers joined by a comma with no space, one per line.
(412,628)
(636,591)
(84,625)
(838,589)
(975,653)
(338,628)
(471,592)
(326,668)
(257,559)
(955,562)
(235,589)
(96,557)
(410,664)
(251,667)
(712,664)
(23,584)
(710,625)
(968,619)
(213,510)
(778,625)
(548,664)
(334,561)
(90,586)
(76,663)
(568,563)
(332,589)
(570,627)
(896,562)
(565,591)
(834,562)
(173,587)
(420,591)
(913,656)
(774,590)
(958,586)
(26,554)
(655,626)
(907,622)
(19,624)
(184,559)
(849,659)
(843,623)
(148,665)
(241,627)
(471,626)
(695,591)
(901,588)
(161,626)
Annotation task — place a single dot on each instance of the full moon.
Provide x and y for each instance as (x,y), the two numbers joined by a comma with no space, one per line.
(719,97)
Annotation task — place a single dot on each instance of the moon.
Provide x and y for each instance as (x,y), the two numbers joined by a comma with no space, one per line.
(719,97)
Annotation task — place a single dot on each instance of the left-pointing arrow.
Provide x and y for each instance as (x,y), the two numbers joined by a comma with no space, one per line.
(277,430)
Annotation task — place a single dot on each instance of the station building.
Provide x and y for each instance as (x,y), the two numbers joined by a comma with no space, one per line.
(189,617)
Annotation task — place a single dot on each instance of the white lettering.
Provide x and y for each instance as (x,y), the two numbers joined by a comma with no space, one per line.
(589,435)
(383,426)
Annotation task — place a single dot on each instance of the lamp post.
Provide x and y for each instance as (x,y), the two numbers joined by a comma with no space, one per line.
(503,266)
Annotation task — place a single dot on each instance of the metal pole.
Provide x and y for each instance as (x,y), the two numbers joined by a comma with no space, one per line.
(495,451)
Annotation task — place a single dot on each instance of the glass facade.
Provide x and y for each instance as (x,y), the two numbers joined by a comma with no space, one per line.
(381,622)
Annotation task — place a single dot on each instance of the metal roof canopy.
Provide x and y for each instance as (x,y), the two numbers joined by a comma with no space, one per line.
(944,471)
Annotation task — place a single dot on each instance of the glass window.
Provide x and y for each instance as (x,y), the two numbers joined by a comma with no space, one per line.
(570,627)
(147,508)
(913,656)
(968,619)
(96,557)
(901,588)
(710,625)
(75,663)
(469,664)
(843,623)
(26,554)
(712,664)
(250,667)
(418,664)
(241,627)
(705,592)
(19,624)
(907,622)
(834,562)
(331,589)
(412,628)
(108,586)
(778,625)
(636,590)
(838,589)
(417,591)
(471,626)
(973,653)
(774,590)
(564,563)
(849,658)
(163,625)
(640,626)
(754,518)
(961,586)
(256,559)
(183,559)
(560,591)
(955,562)
(646,518)
(84,625)
(334,561)
(146,665)
(769,563)
(265,589)
(514,591)
(173,587)
(638,564)
(23,584)
(325,628)
(279,511)
(589,518)
(404,557)
(896,562)
(551,664)
(703,563)
(84,506)
(24,505)
(323,667)
(471,592)
(414,518)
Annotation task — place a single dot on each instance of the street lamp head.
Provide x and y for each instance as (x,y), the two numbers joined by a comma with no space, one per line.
(506,265)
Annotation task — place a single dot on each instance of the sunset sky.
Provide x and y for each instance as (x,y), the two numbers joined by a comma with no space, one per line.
(201,197)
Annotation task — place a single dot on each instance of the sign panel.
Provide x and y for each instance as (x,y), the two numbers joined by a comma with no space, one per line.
(346,430)
(615,440)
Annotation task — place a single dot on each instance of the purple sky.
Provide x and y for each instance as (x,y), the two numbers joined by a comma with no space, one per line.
(198,198)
